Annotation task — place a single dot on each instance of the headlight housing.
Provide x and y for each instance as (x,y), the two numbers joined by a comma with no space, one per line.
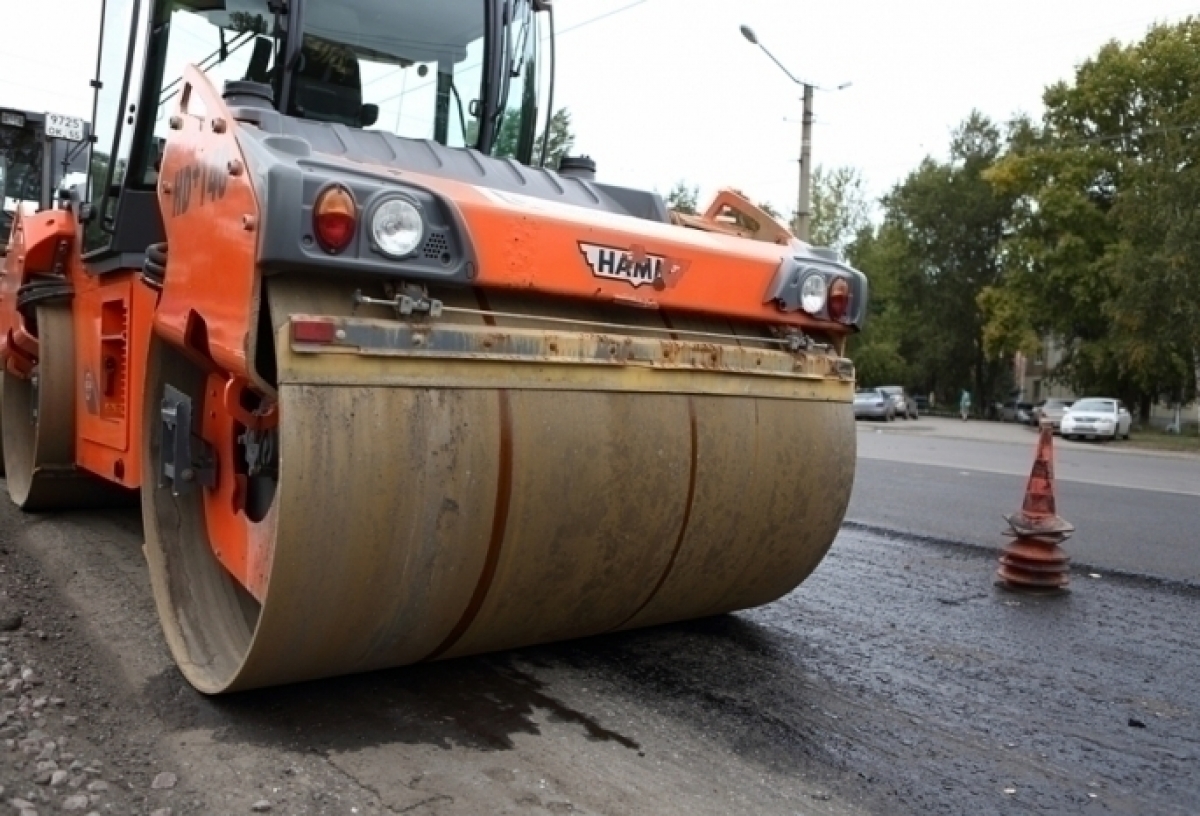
(397,227)
(812,293)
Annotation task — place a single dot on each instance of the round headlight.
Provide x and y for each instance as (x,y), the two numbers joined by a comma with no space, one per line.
(397,228)
(812,293)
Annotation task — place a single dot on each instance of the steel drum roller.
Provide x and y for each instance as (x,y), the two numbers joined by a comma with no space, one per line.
(429,509)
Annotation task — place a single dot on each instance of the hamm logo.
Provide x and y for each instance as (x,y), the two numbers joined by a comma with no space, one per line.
(633,265)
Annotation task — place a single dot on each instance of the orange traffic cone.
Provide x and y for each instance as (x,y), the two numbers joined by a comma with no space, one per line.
(1034,560)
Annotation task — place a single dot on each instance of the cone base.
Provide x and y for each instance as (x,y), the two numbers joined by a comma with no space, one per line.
(1033,564)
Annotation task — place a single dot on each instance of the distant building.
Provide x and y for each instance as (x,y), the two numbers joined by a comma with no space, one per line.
(1034,376)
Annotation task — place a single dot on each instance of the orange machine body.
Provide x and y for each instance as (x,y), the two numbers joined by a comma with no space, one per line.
(212,217)
(209,303)
(111,316)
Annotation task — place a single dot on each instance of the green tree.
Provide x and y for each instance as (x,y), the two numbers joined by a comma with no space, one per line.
(684,198)
(877,350)
(1104,256)
(770,210)
(559,143)
(840,207)
(937,249)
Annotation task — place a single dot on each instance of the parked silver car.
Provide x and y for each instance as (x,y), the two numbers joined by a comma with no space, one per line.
(873,403)
(901,401)
(1096,417)
(1050,412)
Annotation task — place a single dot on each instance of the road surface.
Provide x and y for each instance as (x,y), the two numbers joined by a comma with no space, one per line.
(1136,512)
(897,680)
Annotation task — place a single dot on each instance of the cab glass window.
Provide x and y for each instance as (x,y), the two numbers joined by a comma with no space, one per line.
(414,68)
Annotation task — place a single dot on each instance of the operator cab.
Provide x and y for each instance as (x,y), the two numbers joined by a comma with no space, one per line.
(443,71)
(33,166)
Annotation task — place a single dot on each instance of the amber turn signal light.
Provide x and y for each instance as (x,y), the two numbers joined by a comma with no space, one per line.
(334,218)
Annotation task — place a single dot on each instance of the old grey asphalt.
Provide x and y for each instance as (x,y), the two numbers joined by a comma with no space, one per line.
(1134,512)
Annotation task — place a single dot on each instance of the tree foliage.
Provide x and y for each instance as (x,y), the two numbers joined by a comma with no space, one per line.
(1104,254)
(935,252)
(560,142)
(684,198)
(1081,229)
(840,207)
(770,210)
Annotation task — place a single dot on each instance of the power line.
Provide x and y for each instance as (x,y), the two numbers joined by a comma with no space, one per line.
(598,18)
(567,30)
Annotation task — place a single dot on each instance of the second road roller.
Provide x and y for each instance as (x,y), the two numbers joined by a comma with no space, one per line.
(388,386)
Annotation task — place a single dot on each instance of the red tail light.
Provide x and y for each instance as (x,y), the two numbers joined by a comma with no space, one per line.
(313,331)
(335,218)
(838,302)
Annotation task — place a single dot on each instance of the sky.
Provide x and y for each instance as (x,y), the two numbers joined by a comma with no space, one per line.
(668,90)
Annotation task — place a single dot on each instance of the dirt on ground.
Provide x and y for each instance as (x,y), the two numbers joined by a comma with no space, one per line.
(897,680)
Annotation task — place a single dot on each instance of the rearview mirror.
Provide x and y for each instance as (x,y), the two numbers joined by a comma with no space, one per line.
(368,115)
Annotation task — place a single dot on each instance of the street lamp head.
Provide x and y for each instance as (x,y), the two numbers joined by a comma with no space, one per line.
(844,86)
(749,34)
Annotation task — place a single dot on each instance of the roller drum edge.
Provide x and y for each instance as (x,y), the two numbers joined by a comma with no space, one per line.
(39,455)
(2,378)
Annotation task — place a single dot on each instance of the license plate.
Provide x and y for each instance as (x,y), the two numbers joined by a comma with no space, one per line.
(64,127)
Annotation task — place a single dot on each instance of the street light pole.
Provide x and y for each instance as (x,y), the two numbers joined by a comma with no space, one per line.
(804,198)
(803,213)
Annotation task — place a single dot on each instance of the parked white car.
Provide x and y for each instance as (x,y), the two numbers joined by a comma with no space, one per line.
(1096,418)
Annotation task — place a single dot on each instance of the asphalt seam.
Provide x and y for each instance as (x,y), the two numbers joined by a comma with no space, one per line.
(1058,475)
(1128,576)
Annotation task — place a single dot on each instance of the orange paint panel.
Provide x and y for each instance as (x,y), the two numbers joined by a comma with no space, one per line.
(242,546)
(113,318)
(210,211)
(102,360)
(41,243)
(528,243)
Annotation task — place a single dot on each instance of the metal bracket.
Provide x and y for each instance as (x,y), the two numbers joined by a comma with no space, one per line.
(181,467)
(794,339)
(260,452)
(797,341)
(413,303)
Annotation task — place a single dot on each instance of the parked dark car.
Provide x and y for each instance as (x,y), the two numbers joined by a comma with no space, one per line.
(904,404)
(1022,412)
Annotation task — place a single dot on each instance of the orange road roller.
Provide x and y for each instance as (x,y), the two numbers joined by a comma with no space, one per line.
(389,386)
